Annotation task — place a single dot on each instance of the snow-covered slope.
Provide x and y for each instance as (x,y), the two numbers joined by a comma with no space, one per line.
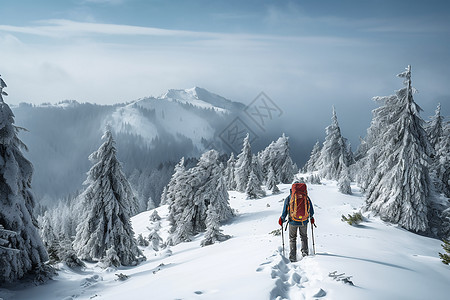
(381,260)
(171,114)
(201,98)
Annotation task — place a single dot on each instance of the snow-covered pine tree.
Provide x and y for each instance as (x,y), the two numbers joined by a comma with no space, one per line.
(440,163)
(213,232)
(46,230)
(277,155)
(155,240)
(344,181)
(164,196)
(49,237)
(434,128)
(105,233)
(310,165)
(243,166)
(272,179)
(257,169)
(335,152)
(154,217)
(16,203)
(254,189)
(284,167)
(229,173)
(399,188)
(198,188)
(173,192)
(141,241)
(150,203)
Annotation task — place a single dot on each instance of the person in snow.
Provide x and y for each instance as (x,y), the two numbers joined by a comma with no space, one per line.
(299,208)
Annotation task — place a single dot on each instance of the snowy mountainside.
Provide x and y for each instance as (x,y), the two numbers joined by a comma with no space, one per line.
(375,260)
(148,132)
(202,98)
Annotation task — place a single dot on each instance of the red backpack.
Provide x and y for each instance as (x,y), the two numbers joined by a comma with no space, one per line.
(299,204)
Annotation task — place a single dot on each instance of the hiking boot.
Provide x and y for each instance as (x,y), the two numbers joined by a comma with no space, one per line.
(292,259)
(304,253)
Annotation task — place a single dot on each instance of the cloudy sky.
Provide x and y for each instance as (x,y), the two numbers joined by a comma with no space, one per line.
(305,55)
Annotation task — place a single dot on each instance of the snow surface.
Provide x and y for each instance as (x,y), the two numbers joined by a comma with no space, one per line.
(169,116)
(383,260)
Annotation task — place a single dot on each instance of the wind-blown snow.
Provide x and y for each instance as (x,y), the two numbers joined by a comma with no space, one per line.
(383,260)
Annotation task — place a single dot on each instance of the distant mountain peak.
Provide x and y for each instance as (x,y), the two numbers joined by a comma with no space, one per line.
(202,98)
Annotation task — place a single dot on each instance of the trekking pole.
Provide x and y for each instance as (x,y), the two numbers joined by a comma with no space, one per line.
(312,234)
(282,237)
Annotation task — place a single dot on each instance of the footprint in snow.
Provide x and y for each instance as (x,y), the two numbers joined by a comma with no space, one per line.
(86,282)
(287,277)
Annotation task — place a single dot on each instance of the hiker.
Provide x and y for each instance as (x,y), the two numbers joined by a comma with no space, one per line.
(299,208)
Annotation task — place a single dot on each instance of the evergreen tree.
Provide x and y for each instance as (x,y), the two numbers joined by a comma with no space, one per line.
(150,204)
(434,128)
(310,165)
(445,257)
(19,226)
(154,217)
(399,188)
(257,169)
(164,196)
(141,241)
(174,192)
(344,181)
(155,240)
(199,187)
(440,164)
(229,173)
(254,190)
(335,153)
(243,166)
(213,232)
(272,179)
(277,156)
(105,232)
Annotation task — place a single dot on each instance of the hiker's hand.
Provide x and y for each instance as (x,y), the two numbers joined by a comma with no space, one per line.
(312,220)
(280,221)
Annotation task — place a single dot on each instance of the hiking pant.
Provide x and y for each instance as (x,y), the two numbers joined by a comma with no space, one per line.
(303,229)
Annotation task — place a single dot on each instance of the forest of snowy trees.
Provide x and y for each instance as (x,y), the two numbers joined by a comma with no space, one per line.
(402,164)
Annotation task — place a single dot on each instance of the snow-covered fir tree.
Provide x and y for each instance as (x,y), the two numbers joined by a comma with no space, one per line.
(164,196)
(229,173)
(46,230)
(105,233)
(17,202)
(213,232)
(254,189)
(434,128)
(142,241)
(173,192)
(154,217)
(335,153)
(344,181)
(198,188)
(257,168)
(272,179)
(441,165)
(310,165)
(439,136)
(243,165)
(150,203)
(399,189)
(277,155)
(155,239)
